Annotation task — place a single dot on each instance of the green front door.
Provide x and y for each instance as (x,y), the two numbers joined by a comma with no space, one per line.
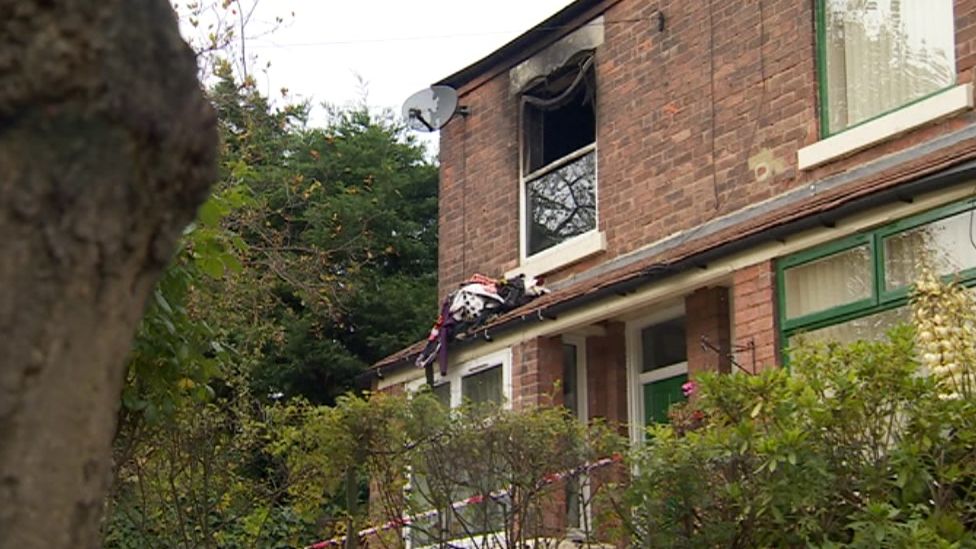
(660,395)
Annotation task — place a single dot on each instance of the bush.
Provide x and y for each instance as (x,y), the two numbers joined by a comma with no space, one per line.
(867,445)
(419,458)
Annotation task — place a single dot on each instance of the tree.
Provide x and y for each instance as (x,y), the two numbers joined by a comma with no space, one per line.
(107,147)
(205,476)
(313,256)
(341,234)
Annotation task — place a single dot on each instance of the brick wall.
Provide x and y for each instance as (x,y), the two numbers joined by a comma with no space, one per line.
(693,123)
(754,315)
(707,316)
(606,374)
(479,187)
(536,367)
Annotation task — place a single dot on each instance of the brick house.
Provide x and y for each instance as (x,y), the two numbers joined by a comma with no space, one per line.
(699,183)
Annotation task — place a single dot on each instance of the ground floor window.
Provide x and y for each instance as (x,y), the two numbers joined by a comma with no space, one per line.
(857,287)
(482,380)
(485,379)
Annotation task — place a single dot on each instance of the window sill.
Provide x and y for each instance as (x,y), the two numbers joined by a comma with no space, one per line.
(561,255)
(949,102)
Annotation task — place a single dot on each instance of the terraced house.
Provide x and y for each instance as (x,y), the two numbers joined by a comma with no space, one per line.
(699,183)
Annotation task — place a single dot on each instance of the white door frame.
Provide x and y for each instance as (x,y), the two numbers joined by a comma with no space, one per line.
(582,397)
(635,378)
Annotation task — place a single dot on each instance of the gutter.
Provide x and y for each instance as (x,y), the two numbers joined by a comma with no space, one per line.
(660,271)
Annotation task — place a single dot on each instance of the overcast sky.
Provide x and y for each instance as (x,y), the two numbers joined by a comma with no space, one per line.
(395,47)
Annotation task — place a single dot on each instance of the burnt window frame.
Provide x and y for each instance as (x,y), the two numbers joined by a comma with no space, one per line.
(579,73)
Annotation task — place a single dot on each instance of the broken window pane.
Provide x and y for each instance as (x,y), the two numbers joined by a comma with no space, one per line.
(558,119)
(559,158)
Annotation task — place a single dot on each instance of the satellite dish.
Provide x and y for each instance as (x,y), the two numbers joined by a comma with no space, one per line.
(429,110)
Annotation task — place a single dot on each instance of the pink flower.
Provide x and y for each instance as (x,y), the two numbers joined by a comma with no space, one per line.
(689,388)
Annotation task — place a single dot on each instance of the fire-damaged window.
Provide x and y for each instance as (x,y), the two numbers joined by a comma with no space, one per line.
(559,155)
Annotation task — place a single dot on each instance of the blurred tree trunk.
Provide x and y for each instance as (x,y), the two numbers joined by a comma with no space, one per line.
(107,147)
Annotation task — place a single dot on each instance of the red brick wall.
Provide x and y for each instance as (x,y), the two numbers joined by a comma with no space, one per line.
(479,187)
(606,374)
(707,315)
(693,122)
(537,365)
(754,315)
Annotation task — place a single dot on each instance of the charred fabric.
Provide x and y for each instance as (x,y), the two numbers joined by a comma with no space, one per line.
(476,301)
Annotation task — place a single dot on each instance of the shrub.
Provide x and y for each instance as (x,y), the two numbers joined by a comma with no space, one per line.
(851,445)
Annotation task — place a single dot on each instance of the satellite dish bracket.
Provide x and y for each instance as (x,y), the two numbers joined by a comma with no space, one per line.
(430,109)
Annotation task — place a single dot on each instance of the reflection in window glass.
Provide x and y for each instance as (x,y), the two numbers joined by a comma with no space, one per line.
(484,386)
(442,393)
(837,279)
(561,203)
(866,328)
(945,244)
(663,345)
(883,54)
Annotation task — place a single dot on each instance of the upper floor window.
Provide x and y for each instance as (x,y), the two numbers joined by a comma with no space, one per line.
(879,55)
(559,156)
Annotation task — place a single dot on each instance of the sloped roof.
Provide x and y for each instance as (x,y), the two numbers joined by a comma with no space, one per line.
(526,44)
(817,211)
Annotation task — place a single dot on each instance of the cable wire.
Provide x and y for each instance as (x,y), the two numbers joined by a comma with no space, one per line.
(438,36)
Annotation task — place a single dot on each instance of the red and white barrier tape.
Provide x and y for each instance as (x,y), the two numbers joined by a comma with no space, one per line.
(473,500)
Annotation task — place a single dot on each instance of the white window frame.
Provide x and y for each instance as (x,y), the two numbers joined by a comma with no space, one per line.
(581,393)
(455,376)
(588,36)
(582,407)
(941,105)
(573,249)
(635,378)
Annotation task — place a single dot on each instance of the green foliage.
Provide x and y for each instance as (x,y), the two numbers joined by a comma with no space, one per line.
(342,240)
(484,449)
(206,477)
(852,446)
(176,353)
(315,256)
(449,454)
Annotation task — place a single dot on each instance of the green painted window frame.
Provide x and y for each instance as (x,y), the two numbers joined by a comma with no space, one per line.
(809,256)
(881,300)
(820,16)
